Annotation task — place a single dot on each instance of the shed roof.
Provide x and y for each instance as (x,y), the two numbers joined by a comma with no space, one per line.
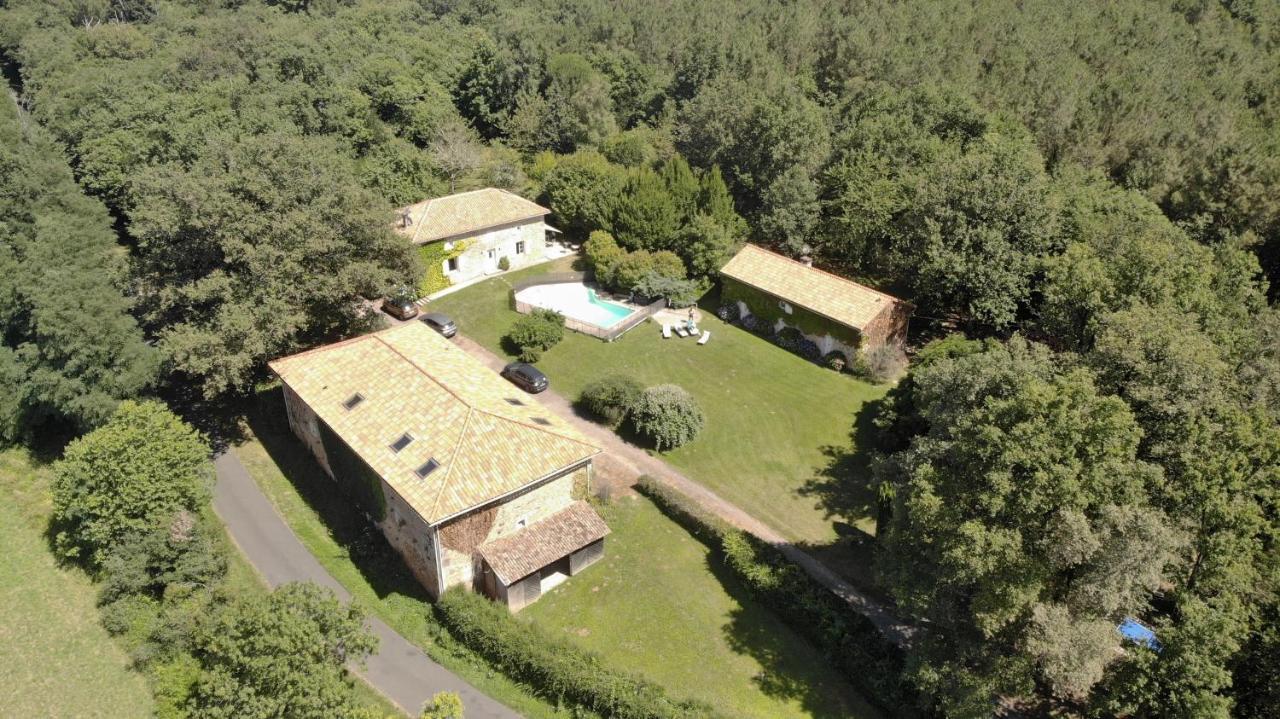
(541,543)
(463,213)
(478,429)
(831,296)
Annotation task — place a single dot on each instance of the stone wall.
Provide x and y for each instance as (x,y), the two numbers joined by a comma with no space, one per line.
(305,424)
(502,240)
(412,538)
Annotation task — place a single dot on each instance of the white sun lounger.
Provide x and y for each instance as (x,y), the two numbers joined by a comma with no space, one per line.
(705,338)
(680,330)
(666,332)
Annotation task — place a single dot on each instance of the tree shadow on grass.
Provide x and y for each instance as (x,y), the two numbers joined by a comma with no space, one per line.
(785,674)
(362,543)
(843,490)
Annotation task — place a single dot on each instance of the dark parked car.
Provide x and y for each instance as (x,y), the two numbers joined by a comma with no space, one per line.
(401,308)
(440,323)
(526,377)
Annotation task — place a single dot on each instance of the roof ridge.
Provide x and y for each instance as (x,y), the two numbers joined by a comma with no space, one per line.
(470,406)
(536,427)
(448,472)
(832,275)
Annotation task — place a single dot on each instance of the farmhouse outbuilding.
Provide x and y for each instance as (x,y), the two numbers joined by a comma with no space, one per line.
(476,230)
(473,482)
(837,314)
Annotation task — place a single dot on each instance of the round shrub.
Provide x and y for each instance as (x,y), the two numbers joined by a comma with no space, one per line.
(728,312)
(667,415)
(504,263)
(535,333)
(749,323)
(611,398)
(836,360)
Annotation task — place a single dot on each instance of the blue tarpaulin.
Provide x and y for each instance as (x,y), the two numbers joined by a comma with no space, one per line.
(1138,633)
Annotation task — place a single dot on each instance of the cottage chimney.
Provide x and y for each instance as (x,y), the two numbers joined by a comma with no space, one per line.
(806,260)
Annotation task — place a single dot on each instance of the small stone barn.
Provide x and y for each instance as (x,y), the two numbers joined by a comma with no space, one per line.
(472,481)
(835,313)
(484,226)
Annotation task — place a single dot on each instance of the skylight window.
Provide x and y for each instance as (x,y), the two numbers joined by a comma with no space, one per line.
(427,468)
(515,402)
(353,401)
(402,442)
(542,421)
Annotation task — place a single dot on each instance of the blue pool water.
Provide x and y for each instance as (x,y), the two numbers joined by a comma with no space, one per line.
(577,301)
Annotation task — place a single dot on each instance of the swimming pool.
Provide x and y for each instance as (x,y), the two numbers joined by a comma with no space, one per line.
(577,301)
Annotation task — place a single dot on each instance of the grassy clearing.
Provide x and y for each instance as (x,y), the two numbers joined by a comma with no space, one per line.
(56,660)
(661,605)
(352,550)
(778,438)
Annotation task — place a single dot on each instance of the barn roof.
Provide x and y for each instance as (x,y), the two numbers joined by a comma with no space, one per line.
(831,296)
(445,431)
(464,213)
(541,543)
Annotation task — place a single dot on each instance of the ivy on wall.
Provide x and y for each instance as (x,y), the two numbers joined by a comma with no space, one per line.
(434,255)
(765,307)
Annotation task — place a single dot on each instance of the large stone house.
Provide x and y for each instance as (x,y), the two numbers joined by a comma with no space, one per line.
(835,313)
(472,481)
(484,225)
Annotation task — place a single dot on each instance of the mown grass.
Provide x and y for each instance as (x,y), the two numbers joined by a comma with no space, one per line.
(56,660)
(780,438)
(662,605)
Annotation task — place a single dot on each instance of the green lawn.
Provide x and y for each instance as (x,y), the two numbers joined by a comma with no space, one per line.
(778,436)
(661,605)
(56,660)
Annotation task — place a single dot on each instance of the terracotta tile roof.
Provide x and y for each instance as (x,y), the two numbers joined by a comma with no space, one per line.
(414,381)
(831,296)
(518,555)
(464,213)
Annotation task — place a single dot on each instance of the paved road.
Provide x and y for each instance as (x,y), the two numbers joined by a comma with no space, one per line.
(633,461)
(399,670)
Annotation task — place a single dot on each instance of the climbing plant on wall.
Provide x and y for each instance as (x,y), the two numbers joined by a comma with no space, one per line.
(434,255)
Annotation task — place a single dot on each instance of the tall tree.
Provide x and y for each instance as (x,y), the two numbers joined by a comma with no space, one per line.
(1020,528)
(69,349)
(280,655)
(646,216)
(261,245)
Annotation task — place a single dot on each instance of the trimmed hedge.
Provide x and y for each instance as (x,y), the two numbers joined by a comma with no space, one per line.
(553,667)
(855,646)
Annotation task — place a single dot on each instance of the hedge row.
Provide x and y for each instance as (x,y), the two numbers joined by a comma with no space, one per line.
(867,658)
(554,668)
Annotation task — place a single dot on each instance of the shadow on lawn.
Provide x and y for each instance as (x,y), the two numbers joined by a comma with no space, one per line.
(361,541)
(843,490)
(756,632)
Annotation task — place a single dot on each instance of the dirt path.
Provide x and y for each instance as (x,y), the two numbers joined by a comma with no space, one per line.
(624,463)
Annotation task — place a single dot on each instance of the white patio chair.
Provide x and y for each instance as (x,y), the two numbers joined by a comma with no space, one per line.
(705,338)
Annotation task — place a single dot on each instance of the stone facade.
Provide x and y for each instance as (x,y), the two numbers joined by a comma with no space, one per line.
(523,244)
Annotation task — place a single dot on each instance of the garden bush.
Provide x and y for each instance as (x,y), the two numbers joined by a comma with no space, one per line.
(504,263)
(603,257)
(535,333)
(856,647)
(667,415)
(611,398)
(808,349)
(836,360)
(728,312)
(552,667)
(789,338)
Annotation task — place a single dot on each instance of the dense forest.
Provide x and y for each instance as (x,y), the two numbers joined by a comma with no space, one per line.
(1087,191)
